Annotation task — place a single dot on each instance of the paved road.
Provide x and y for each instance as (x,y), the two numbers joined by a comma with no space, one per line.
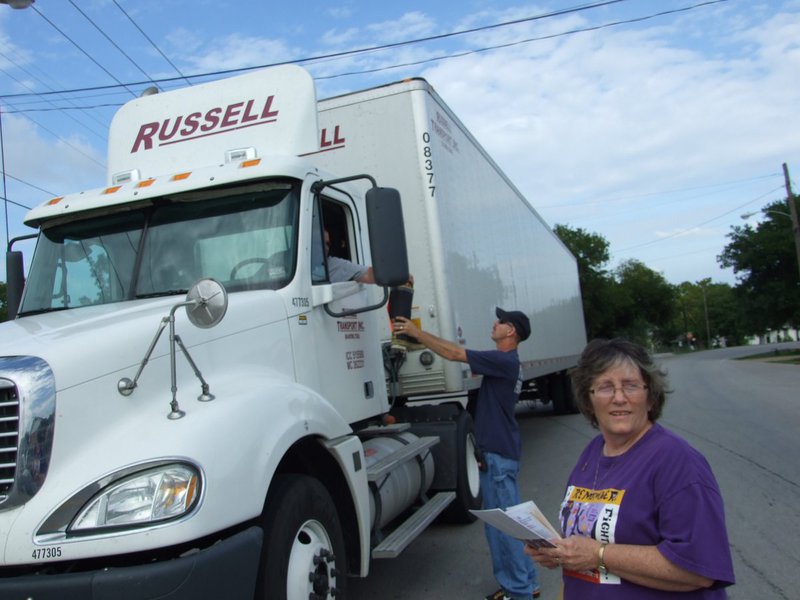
(743,415)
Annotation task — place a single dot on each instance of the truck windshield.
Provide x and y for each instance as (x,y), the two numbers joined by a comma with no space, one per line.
(244,237)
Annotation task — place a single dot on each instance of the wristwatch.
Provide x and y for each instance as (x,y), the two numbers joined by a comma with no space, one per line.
(601,565)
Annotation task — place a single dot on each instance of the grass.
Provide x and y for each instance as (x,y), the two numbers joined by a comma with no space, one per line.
(783,356)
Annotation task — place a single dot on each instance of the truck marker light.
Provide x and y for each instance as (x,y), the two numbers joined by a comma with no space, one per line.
(251,163)
(112,189)
(126,177)
(181,176)
(55,201)
(146,183)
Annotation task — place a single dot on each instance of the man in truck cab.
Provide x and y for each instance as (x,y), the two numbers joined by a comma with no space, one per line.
(498,438)
(341,269)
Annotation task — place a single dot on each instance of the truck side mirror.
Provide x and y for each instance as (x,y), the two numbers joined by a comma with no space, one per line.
(387,236)
(15,274)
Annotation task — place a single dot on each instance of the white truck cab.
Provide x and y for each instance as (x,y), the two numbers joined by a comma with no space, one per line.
(189,407)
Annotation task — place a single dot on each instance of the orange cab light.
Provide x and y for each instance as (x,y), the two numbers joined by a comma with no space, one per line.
(112,189)
(251,163)
(181,176)
(146,183)
(55,201)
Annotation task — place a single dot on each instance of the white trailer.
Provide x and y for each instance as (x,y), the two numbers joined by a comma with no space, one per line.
(474,242)
(189,408)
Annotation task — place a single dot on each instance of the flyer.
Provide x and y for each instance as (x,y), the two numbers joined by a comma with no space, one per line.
(523,521)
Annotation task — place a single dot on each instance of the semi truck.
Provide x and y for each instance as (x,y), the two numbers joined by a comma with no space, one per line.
(190,408)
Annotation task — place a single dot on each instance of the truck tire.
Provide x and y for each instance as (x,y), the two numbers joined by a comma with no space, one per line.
(304,551)
(569,396)
(557,393)
(468,484)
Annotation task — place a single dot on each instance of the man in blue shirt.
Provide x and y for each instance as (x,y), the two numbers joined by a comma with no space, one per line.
(497,436)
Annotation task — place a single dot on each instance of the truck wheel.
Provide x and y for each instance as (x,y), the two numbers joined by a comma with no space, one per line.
(557,393)
(569,396)
(304,554)
(468,483)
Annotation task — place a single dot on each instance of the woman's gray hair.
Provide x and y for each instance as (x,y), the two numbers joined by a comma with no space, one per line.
(599,356)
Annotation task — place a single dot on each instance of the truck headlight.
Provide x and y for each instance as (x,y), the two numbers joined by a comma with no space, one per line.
(156,495)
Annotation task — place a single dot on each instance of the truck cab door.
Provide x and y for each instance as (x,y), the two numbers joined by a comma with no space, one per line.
(347,348)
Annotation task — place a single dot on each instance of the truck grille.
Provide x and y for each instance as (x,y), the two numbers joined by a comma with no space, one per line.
(9,436)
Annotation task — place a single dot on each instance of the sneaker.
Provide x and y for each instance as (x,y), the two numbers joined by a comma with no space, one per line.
(501,595)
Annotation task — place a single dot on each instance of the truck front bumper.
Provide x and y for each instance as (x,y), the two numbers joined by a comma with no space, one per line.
(225,570)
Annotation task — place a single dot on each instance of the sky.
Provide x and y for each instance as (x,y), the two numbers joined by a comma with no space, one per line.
(653,123)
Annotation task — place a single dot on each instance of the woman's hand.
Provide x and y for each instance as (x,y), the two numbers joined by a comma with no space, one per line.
(546,559)
(577,553)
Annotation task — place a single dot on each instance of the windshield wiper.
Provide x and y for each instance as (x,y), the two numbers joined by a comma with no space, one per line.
(41,311)
(163,293)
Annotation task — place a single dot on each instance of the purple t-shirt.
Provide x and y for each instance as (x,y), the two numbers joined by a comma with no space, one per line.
(661,492)
(496,428)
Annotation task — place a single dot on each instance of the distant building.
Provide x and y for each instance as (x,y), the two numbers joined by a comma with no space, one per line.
(775,336)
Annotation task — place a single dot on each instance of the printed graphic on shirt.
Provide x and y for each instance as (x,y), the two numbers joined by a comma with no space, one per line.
(591,513)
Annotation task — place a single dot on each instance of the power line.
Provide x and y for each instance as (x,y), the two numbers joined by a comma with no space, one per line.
(89,56)
(30,185)
(519,42)
(112,42)
(50,102)
(688,229)
(371,49)
(152,43)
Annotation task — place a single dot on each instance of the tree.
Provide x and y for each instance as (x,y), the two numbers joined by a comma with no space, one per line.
(718,302)
(597,285)
(764,261)
(647,304)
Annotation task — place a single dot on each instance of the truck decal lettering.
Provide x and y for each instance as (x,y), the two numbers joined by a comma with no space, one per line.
(350,325)
(301,302)
(191,124)
(337,139)
(268,113)
(230,113)
(355,359)
(212,120)
(146,133)
(163,135)
(249,115)
(45,553)
(219,119)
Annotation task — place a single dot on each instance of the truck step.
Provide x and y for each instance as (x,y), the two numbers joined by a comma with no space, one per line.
(401,537)
(407,452)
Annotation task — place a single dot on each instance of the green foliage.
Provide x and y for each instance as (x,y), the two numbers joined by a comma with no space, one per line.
(647,305)
(765,262)
(633,302)
(597,285)
(717,302)
(636,302)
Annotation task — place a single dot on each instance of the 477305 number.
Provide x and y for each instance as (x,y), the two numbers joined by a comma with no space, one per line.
(44,553)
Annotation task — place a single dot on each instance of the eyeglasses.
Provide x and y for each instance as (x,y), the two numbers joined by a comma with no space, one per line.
(629,389)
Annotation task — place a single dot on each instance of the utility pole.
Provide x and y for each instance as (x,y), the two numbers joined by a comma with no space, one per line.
(792,200)
(705,310)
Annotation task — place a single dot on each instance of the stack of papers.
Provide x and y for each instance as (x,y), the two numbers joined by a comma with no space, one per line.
(523,521)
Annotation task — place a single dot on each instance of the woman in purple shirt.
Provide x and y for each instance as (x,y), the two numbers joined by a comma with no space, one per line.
(642,515)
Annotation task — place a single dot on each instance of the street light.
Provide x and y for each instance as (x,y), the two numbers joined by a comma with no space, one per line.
(774,212)
(18,3)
